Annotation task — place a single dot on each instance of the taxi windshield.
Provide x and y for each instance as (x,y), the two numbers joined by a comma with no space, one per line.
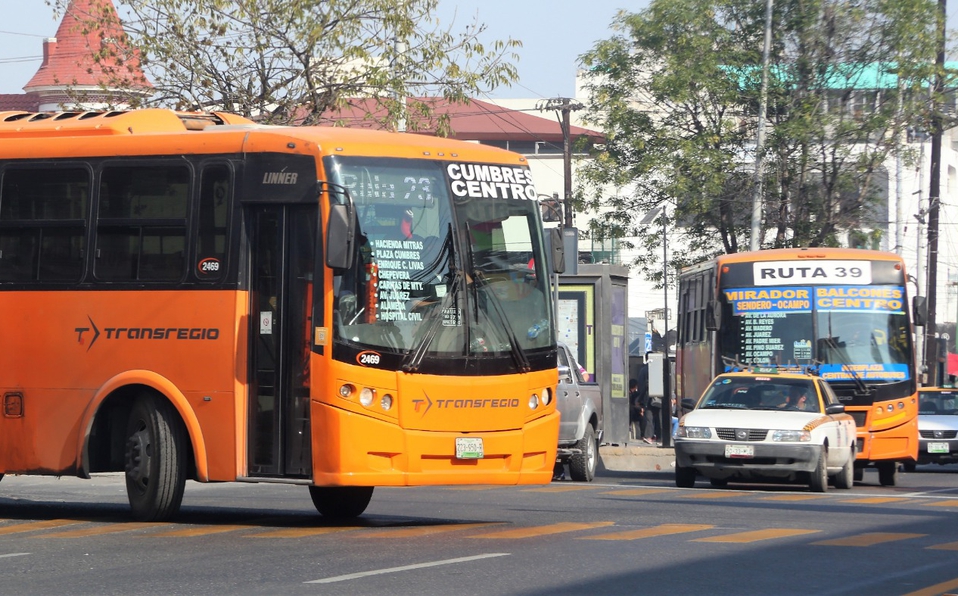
(761,393)
(931,403)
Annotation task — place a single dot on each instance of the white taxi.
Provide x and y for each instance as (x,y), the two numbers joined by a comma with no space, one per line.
(758,426)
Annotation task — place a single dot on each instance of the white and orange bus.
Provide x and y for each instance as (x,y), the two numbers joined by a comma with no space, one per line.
(195,296)
(840,313)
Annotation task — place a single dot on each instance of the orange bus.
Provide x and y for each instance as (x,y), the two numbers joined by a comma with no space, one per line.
(840,313)
(195,296)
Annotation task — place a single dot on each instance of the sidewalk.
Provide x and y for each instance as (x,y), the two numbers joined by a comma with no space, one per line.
(635,458)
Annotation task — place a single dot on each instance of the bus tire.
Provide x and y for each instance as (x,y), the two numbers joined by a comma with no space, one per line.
(909,466)
(859,473)
(582,465)
(684,477)
(846,478)
(818,480)
(887,473)
(155,459)
(341,502)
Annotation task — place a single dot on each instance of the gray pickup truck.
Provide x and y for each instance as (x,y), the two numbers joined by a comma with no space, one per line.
(580,428)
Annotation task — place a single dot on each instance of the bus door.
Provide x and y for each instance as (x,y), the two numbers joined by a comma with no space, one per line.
(282,241)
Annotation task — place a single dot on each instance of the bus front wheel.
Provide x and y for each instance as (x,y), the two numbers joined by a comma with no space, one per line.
(341,502)
(887,473)
(155,459)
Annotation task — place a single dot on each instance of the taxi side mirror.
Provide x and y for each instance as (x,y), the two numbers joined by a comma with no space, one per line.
(832,409)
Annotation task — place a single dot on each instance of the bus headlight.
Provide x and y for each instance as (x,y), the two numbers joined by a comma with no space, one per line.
(695,432)
(791,436)
(533,401)
(366,396)
(547,397)
(386,402)
(346,390)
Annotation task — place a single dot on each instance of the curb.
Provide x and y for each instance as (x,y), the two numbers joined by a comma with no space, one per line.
(628,458)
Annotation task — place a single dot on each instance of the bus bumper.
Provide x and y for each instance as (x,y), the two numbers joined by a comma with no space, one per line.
(354,450)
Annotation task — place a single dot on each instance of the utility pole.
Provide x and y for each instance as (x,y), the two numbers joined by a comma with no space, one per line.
(934,203)
(754,243)
(564,106)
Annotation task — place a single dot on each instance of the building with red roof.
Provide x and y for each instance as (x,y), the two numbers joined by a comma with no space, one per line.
(84,67)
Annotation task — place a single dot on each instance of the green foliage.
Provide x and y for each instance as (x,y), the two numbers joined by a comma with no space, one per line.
(290,61)
(676,89)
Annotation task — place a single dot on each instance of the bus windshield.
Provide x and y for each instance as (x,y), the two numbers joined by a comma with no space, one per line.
(440,271)
(847,339)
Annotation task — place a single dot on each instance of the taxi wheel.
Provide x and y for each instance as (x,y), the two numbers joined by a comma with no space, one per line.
(684,477)
(846,478)
(818,482)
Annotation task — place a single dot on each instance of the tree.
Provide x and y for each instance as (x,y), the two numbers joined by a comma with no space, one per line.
(292,61)
(676,91)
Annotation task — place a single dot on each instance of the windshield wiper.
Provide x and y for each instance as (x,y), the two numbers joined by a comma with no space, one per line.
(862,390)
(518,354)
(433,322)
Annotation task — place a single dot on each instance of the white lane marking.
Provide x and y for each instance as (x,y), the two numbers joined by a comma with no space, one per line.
(14,555)
(342,578)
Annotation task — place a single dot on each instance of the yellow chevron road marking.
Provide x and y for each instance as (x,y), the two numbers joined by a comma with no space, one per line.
(757,535)
(544,530)
(555,488)
(874,500)
(869,539)
(39,525)
(636,492)
(947,503)
(424,530)
(937,589)
(106,529)
(662,530)
(712,495)
(201,531)
(301,532)
(948,546)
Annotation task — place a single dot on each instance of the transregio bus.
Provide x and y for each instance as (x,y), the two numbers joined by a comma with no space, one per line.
(195,296)
(842,313)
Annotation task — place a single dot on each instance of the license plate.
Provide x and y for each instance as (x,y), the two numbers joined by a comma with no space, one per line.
(937,447)
(739,451)
(468,448)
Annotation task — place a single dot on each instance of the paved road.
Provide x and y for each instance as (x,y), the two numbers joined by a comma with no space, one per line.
(625,533)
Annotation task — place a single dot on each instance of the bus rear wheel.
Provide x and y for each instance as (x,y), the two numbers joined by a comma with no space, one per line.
(341,502)
(155,459)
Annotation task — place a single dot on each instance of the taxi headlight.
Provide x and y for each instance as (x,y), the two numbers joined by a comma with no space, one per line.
(695,432)
(791,436)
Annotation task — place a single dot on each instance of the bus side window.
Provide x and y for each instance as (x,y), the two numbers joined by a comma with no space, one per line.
(141,223)
(216,191)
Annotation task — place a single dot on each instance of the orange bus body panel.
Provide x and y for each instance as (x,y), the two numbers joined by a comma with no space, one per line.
(68,352)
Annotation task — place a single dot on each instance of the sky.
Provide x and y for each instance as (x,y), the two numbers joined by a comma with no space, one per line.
(553,35)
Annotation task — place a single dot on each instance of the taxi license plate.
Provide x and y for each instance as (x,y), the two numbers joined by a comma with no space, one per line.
(468,448)
(739,451)
(937,447)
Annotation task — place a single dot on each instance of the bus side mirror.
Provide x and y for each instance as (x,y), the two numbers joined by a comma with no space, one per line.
(919,311)
(558,250)
(340,236)
(713,316)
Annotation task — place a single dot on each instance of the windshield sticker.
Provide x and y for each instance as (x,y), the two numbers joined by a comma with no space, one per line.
(484,181)
(864,372)
(783,273)
(857,299)
(772,300)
